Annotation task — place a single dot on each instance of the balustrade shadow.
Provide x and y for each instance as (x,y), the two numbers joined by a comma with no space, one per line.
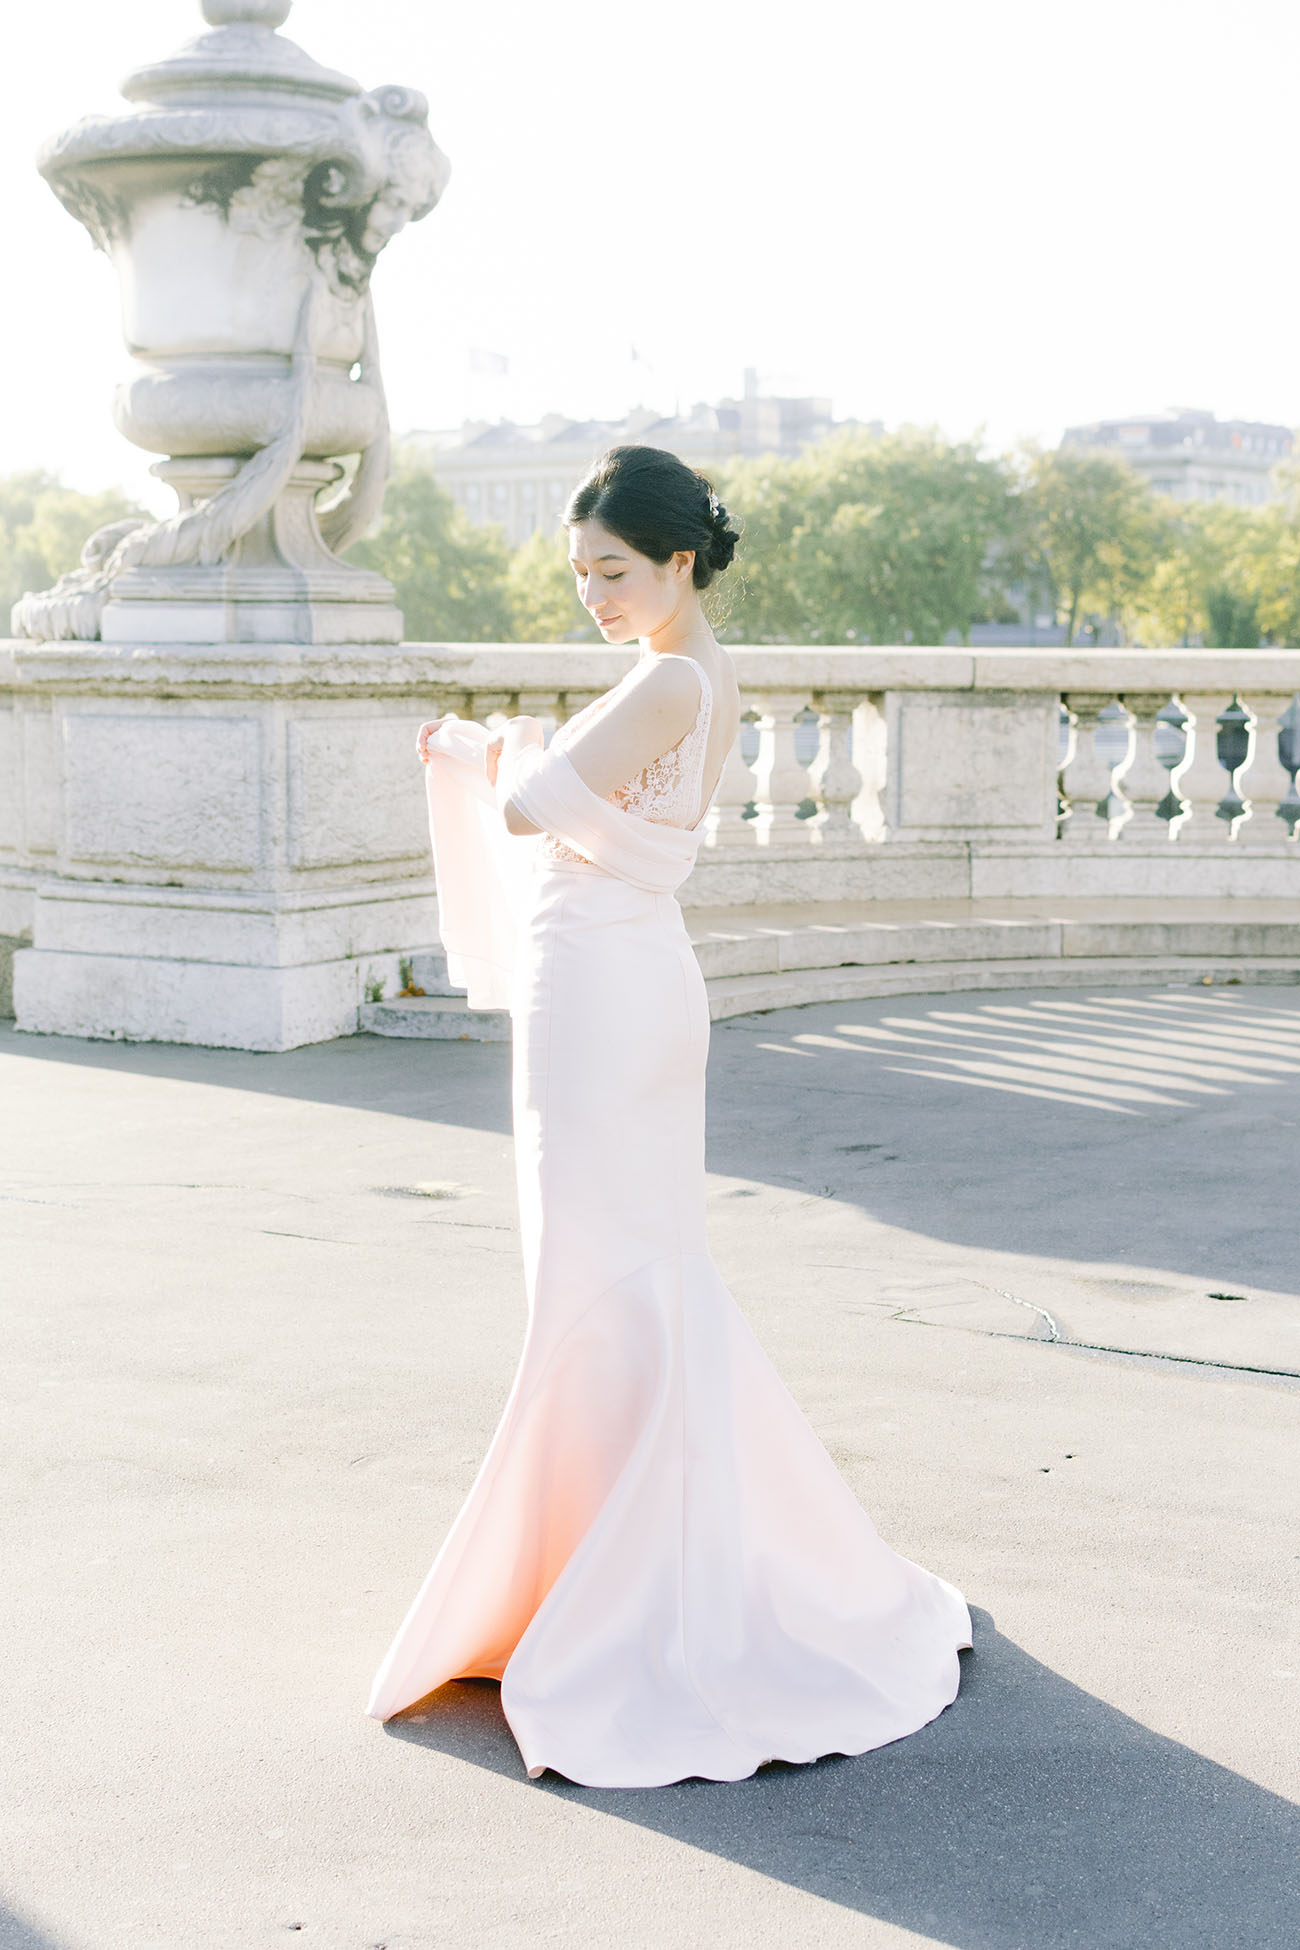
(1156,1126)
(18,1934)
(1030,1813)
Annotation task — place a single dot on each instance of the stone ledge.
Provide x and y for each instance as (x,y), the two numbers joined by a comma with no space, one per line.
(447,1018)
(422,668)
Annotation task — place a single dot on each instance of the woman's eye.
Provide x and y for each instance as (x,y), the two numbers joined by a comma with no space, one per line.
(618,577)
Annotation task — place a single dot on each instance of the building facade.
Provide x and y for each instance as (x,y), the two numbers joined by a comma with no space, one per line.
(1191,456)
(519,477)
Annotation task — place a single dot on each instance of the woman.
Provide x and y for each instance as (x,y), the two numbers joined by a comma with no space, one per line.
(658,1559)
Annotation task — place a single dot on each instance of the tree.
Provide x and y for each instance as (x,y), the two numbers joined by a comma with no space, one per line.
(1094,525)
(543,596)
(1268,563)
(1202,584)
(768,496)
(449,575)
(43,526)
(866,538)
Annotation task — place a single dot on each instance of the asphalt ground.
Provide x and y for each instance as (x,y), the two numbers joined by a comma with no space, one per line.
(260,1314)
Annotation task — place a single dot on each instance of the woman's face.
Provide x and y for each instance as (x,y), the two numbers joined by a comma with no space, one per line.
(628,594)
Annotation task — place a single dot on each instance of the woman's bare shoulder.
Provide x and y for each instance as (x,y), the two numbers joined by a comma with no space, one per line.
(670,678)
(666,690)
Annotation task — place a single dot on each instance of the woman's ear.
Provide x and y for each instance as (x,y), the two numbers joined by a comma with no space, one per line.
(684,563)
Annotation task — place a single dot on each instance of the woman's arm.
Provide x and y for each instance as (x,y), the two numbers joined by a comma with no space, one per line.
(653,709)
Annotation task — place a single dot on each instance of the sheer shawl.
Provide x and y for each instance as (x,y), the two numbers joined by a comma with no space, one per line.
(483,871)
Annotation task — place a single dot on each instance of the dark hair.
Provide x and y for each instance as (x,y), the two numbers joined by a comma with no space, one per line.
(657,504)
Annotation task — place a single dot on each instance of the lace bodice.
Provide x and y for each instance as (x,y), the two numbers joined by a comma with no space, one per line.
(670,789)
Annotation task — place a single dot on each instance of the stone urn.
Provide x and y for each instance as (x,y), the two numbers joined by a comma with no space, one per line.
(244,202)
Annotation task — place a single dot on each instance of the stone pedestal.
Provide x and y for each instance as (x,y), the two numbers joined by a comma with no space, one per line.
(224,850)
(209,833)
(278,584)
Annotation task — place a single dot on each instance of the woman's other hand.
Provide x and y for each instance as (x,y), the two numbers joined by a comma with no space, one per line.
(515,736)
(423,736)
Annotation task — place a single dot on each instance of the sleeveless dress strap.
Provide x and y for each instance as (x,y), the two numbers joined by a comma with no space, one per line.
(700,733)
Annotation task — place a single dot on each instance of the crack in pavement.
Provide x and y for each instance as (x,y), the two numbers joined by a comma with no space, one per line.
(911,1319)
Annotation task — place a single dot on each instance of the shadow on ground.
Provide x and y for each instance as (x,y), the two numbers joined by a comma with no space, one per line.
(15,1934)
(1152,1126)
(1030,1813)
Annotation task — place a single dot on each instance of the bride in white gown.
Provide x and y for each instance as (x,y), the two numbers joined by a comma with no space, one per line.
(658,1559)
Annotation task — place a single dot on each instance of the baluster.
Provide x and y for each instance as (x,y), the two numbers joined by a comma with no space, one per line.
(1145,782)
(1235,748)
(1268,781)
(737,790)
(836,780)
(1173,742)
(486,705)
(782,782)
(871,756)
(1201,781)
(1288,757)
(1115,744)
(1087,777)
(1067,740)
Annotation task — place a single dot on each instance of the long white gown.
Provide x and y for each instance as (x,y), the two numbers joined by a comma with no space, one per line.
(658,1559)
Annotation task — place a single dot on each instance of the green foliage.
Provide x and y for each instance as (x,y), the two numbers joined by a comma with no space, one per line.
(1094,526)
(860,539)
(1233,620)
(868,539)
(1268,564)
(543,596)
(1200,568)
(449,575)
(43,526)
(768,605)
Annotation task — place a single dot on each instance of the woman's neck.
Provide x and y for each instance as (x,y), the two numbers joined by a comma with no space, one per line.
(678,636)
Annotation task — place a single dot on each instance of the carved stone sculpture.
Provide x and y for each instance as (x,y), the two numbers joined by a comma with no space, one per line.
(244,205)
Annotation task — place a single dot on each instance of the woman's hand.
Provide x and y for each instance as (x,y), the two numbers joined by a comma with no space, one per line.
(516,735)
(423,736)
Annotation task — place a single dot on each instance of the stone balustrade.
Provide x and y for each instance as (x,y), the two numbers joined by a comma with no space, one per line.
(178,824)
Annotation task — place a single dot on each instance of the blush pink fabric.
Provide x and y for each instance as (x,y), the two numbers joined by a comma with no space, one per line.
(481,871)
(658,1560)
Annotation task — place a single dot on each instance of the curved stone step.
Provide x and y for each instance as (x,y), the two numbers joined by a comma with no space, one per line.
(745,995)
(759,958)
(447,1017)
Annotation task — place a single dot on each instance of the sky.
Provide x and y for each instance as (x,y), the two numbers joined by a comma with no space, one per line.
(997,217)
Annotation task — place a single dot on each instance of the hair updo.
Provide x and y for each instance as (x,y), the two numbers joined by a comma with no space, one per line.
(657,504)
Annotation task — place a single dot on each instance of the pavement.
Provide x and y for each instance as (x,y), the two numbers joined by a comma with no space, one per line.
(1029,1263)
